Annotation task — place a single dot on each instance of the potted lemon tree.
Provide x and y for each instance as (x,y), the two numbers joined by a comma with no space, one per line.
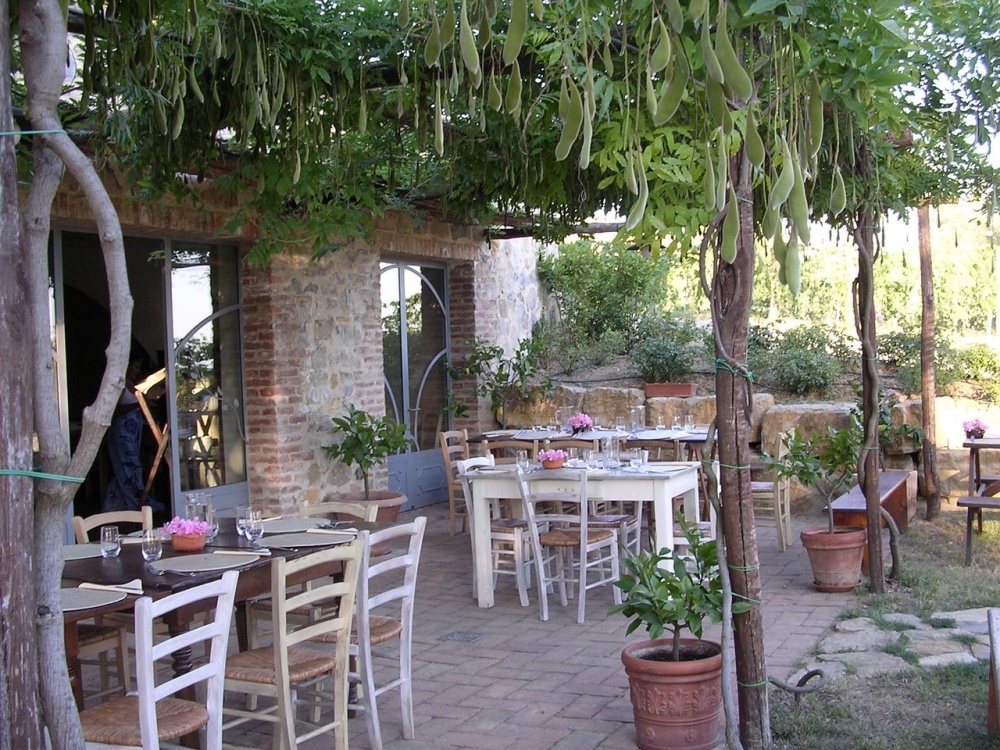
(368,442)
(675,683)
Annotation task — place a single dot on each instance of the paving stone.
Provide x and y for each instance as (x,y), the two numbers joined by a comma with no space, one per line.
(902,618)
(971,619)
(868,663)
(981,651)
(833,670)
(855,625)
(864,640)
(941,660)
(937,647)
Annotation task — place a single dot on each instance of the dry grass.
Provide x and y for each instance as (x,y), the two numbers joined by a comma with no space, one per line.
(927,709)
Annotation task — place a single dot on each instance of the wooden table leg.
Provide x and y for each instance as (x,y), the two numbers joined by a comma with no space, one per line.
(968,536)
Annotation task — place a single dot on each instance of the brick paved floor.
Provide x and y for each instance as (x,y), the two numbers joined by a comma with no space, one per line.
(499,679)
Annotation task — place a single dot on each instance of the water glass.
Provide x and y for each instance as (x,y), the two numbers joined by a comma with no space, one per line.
(111,543)
(689,422)
(242,519)
(676,424)
(522,460)
(212,519)
(661,423)
(152,545)
(255,526)
(588,457)
(620,423)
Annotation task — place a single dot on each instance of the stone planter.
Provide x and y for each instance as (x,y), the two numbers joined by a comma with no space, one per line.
(676,704)
(187,542)
(668,390)
(836,557)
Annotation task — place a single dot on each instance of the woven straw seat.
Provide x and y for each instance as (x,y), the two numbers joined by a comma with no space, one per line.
(571,537)
(88,635)
(258,665)
(381,629)
(508,524)
(117,721)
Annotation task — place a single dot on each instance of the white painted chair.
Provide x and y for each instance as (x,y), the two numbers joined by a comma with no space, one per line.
(772,497)
(454,447)
(279,670)
(510,543)
(566,549)
(155,715)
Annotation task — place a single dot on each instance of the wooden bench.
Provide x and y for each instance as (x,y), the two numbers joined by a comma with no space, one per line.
(975,506)
(898,493)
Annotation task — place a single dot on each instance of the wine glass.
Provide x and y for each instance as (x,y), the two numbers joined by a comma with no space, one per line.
(255,527)
(242,519)
(111,543)
(152,545)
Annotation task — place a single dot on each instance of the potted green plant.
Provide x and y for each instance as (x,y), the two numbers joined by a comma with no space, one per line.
(368,442)
(827,461)
(505,380)
(665,351)
(675,683)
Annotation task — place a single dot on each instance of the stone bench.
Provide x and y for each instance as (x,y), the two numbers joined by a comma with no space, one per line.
(898,494)
(975,506)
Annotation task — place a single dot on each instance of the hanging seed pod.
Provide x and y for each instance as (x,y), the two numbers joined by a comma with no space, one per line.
(717,107)
(697,9)
(838,195)
(730,229)
(722,180)
(515,31)
(736,77)
(438,120)
(297,171)
(467,41)
(675,15)
(513,98)
(447,34)
(651,101)
(793,265)
(639,207)
(432,47)
(798,206)
(564,97)
(661,55)
(786,178)
(814,110)
(630,179)
(606,58)
(769,224)
(178,124)
(779,248)
(712,66)
(752,141)
(362,116)
(674,94)
(403,16)
(588,125)
(708,181)
(494,97)
(571,123)
(538,6)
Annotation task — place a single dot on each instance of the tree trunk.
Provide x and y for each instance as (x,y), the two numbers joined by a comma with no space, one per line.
(928,388)
(19,719)
(731,294)
(864,301)
(43,52)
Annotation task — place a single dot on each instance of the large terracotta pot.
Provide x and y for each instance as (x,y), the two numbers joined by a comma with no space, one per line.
(388,502)
(836,557)
(676,704)
(668,390)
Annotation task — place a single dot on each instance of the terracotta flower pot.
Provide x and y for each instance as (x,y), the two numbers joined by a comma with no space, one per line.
(553,463)
(676,704)
(389,503)
(836,557)
(188,542)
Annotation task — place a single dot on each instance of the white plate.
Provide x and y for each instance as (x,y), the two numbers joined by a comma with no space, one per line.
(496,469)
(202,563)
(74,599)
(289,541)
(292,525)
(80,551)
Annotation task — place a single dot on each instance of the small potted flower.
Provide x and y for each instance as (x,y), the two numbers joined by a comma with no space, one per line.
(975,428)
(187,534)
(553,459)
(580,422)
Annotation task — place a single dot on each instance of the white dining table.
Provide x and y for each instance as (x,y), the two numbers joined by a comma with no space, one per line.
(656,483)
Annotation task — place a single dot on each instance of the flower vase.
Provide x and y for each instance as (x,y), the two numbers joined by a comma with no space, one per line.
(553,463)
(577,430)
(188,542)
(975,434)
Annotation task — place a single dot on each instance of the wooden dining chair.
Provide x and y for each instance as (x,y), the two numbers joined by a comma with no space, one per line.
(386,594)
(154,714)
(287,665)
(343,511)
(505,451)
(510,543)
(772,496)
(566,549)
(82,526)
(454,447)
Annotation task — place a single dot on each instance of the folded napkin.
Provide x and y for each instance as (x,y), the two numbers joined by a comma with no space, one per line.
(334,532)
(132,587)
(262,551)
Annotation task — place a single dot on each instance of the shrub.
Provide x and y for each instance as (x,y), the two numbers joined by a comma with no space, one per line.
(601,287)
(805,371)
(667,348)
(978,362)
(819,338)
(899,348)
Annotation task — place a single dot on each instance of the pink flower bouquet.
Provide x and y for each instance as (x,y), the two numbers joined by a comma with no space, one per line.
(579,422)
(187,527)
(975,427)
(552,456)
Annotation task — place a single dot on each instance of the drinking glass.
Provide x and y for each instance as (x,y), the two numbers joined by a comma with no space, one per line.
(661,423)
(522,460)
(152,545)
(620,423)
(689,422)
(255,526)
(194,506)
(676,426)
(242,519)
(212,519)
(111,543)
